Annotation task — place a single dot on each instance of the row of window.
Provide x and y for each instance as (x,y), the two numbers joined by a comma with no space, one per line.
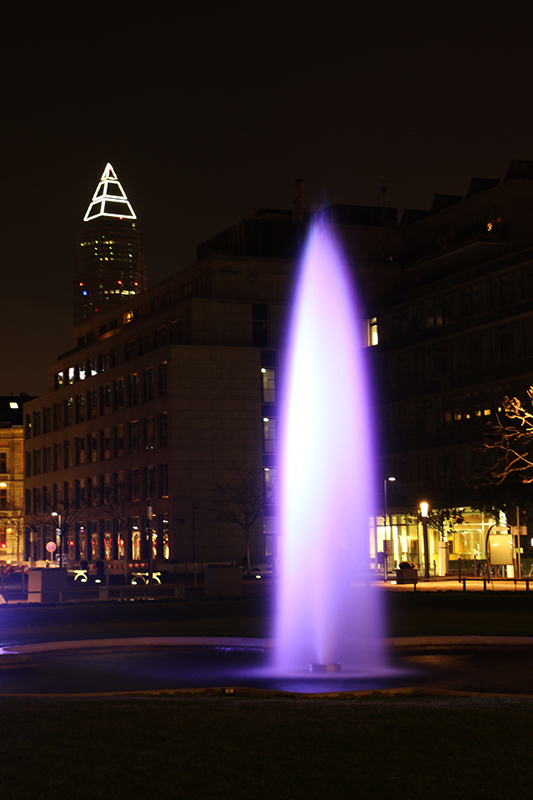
(437,414)
(446,469)
(496,292)
(92,540)
(466,353)
(147,343)
(126,439)
(101,491)
(115,396)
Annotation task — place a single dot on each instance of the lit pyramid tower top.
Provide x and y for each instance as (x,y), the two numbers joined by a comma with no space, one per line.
(110,264)
(109,199)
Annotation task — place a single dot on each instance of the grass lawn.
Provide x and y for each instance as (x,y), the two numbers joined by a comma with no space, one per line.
(407,614)
(230,747)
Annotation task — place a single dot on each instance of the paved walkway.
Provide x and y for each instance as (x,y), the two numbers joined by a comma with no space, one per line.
(453,585)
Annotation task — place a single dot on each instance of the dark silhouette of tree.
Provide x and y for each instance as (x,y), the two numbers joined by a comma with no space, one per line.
(242,499)
(116,504)
(60,514)
(510,441)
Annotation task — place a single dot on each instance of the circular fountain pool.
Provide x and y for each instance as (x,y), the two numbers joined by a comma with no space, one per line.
(83,668)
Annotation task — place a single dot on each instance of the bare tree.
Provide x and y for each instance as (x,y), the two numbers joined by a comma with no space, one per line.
(510,440)
(242,499)
(61,515)
(115,504)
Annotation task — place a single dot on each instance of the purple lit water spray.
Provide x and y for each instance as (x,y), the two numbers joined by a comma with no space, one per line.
(327,611)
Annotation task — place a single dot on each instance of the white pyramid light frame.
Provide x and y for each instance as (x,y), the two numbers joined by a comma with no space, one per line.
(109,199)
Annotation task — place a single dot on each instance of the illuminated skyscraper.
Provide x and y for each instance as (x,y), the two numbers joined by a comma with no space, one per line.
(110,264)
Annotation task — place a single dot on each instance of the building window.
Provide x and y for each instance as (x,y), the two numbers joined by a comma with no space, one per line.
(149,433)
(133,438)
(135,485)
(145,344)
(163,429)
(36,423)
(175,331)
(36,462)
(150,482)
(79,444)
(80,408)
(372,337)
(27,426)
(135,539)
(269,435)
(259,325)
(120,440)
(68,411)
(47,459)
(92,448)
(67,454)
(3,499)
(57,457)
(119,394)
(268,379)
(47,419)
(163,379)
(163,480)
(27,459)
(149,383)
(3,462)
(106,399)
(161,336)
(134,389)
(57,416)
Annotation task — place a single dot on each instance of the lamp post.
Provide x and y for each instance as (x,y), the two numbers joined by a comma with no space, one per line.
(58,530)
(149,516)
(194,507)
(385,554)
(424,509)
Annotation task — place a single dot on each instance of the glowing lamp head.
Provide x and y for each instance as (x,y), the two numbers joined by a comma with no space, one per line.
(424,508)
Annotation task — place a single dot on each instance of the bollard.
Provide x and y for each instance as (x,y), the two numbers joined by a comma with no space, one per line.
(414,586)
(527,584)
(464,584)
(484,584)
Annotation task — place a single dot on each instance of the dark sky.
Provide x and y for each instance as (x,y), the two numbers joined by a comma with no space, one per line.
(212,109)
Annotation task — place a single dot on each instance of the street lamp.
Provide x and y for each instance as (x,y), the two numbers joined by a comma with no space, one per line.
(385,553)
(194,508)
(58,530)
(424,510)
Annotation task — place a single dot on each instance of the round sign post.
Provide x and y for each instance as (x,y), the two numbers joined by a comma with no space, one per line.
(51,547)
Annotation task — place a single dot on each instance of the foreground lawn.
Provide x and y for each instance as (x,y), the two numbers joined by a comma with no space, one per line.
(235,747)
(406,614)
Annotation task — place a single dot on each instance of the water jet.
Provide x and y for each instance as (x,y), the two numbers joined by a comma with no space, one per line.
(328,612)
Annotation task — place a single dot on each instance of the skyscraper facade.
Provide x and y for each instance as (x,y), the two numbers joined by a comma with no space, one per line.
(110,260)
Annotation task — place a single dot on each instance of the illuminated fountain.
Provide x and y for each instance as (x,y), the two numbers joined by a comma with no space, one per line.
(327,614)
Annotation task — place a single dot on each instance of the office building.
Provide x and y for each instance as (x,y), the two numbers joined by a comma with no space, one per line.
(110,260)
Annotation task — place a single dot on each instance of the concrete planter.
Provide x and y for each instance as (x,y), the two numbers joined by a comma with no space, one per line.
(406,575)
(47,585)
(223,581)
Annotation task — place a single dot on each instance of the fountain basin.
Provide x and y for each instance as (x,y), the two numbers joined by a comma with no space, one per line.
(191,664)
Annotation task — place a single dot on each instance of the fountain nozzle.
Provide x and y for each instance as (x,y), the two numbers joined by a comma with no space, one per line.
(321,668)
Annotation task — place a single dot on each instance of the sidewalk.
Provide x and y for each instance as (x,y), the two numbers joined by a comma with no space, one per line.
(452,584)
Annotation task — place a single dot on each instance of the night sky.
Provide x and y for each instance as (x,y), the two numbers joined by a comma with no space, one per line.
(213,109)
